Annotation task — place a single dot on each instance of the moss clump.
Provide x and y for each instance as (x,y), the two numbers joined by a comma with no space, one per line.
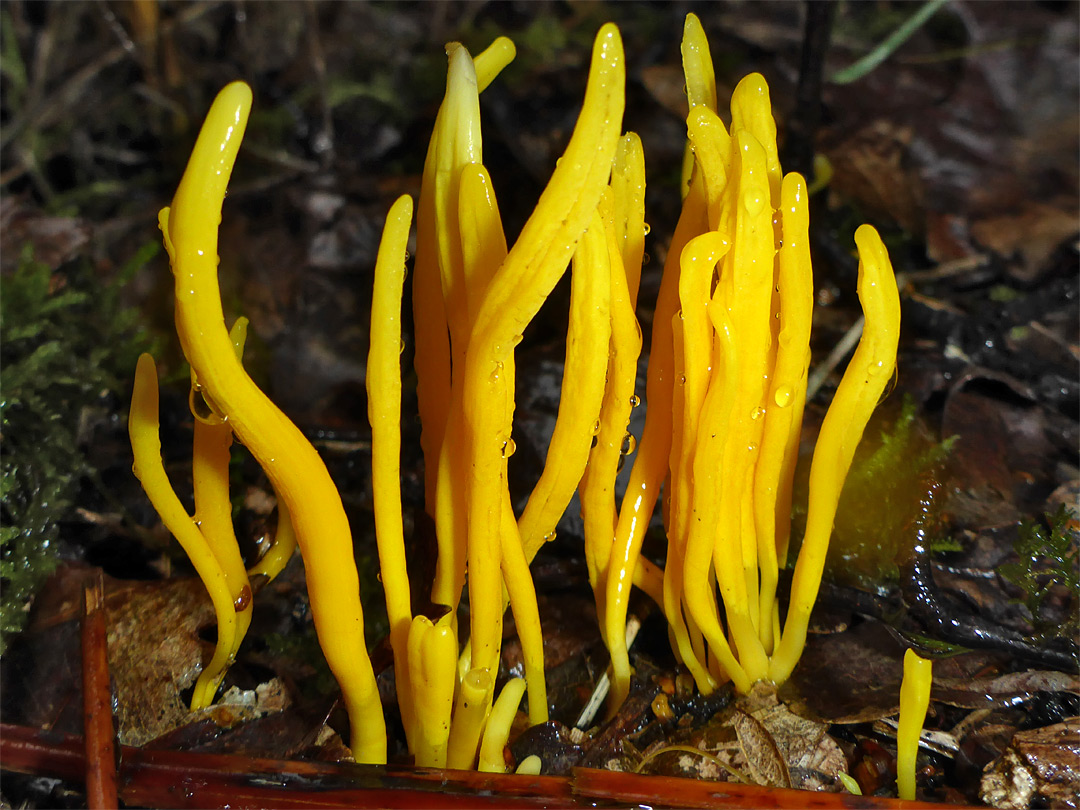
(66,341)
(881,500)
(1048,560)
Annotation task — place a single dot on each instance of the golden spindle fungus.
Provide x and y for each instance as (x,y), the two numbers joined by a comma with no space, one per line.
(584,374)
(522,597)
(211,443)
(780,438)
(725,387)
(533,265)
(530,766)
(870,370)
(432,660)
(384,413)
(471,711)
(498,727)
(914,701)
(274,560)
(292,464)
(148,468)
(650,465)
(597,486)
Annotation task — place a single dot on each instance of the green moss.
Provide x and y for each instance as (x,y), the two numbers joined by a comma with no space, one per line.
(1048,559)
(66,341)
(881,499)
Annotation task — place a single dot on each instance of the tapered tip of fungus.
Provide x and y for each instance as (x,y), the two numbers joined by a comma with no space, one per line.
(752,84)
(608,46)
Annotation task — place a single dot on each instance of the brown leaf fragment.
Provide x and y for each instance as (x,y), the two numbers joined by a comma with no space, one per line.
(763,760)
(155,652)
(1040,765)
(1002,690)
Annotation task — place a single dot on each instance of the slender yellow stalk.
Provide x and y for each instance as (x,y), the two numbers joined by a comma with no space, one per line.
(275,559)
(432,360)
(146,448)
(522,596)
(384,413)
(471,711)
(582,392)
(861,387)
(515,294)
(914,701)
(780,438)
(650,465)
(432,661)
(291,463)
(211,444)
(498,727)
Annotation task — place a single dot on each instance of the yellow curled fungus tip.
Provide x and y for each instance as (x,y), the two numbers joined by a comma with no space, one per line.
(470,715)
(490,62)
(274,560)
(700,82)
(864,381)
(751,110)
(383,381)
(294,468)
(698,65)
(712,151)
(628,216)
(914,701)
(432,654)
(498,727)
(530,766)
(148,468)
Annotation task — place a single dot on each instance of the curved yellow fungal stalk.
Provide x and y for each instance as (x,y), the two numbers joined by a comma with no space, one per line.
(429,314)
(211,443)
(914,701)
(783,403)
(384,413)
(700,82)
(471,711)
(650,465)
(498,727)
(861,387)
(515,294)
(522,596)
(146,448)
(582,392)
(275,559)
(292,464)
(432,661)
(597,487)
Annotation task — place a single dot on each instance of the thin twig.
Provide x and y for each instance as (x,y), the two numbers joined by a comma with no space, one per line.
(603,685)
(100,745)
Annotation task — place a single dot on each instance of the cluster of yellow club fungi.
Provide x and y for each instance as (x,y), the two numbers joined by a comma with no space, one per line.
(725,390)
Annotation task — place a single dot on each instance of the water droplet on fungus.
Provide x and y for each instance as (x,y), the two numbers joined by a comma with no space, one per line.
(243,600)
(753,200)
